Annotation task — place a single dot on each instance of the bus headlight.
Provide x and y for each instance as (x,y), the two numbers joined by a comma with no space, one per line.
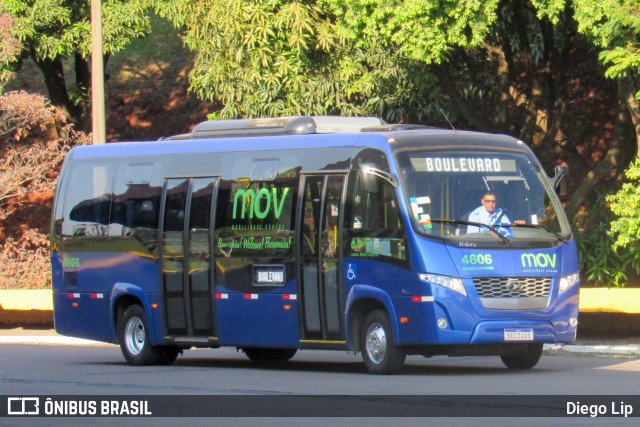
(568,281)
(453,283)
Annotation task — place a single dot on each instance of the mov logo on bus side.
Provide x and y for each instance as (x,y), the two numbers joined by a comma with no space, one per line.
(259,204)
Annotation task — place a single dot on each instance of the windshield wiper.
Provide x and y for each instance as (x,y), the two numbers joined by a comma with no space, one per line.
(541,227)
(506,241)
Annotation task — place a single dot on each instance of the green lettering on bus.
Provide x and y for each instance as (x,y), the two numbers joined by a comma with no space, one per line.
(540,260)
(251,201)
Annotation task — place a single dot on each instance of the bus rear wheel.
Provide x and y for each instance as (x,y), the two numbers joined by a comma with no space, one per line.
(133,334)
(379,354)
(528,359)
(269,355)
(169,355)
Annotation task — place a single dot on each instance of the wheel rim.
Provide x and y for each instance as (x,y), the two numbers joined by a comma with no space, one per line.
(134,336)
(376,343)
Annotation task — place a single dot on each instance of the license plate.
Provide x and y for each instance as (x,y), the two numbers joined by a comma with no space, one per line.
(518,334)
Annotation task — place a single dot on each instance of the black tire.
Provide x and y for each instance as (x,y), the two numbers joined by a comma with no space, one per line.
(379,354)
(133,335)
(269,355)
(530,357)
(169,354)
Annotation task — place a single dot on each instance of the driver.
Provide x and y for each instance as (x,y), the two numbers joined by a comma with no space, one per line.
(487,213)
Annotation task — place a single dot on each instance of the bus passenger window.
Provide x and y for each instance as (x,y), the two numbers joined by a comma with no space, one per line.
(374,225)
(88,201)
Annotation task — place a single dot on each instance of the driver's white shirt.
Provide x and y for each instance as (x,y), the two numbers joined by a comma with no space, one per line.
(481,215)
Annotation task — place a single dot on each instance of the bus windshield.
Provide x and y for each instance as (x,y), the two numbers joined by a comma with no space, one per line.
(481,197)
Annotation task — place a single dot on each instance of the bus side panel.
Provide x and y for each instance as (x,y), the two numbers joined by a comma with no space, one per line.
(389,285)
(83,287)
(57,287)
(266,319)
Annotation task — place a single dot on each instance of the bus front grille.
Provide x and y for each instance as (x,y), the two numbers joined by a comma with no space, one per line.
(513,293)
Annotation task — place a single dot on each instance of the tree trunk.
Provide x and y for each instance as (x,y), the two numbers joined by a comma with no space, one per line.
(630,89)
(53,74)
(83,83)
(614,163)
(83,73)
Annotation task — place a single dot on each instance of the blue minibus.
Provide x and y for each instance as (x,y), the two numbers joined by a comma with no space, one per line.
(284,234)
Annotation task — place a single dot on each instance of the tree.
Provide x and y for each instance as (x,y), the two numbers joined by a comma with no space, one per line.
(519,74)
(529,68)
(626,205)
(277,57)
(9,49)
(56,32)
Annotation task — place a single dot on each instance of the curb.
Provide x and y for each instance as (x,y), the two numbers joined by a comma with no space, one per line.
(49,340)
(593,349)
(18,318)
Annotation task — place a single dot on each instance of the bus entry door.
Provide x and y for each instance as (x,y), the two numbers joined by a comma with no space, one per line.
(187,282)
(320,290)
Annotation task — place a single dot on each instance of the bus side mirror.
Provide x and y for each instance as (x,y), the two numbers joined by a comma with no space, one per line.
(559,180)
(368,174)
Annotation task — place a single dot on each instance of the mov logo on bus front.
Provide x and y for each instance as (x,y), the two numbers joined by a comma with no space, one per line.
(538,260)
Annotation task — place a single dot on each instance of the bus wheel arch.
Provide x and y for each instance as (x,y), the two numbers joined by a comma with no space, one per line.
(357,313)
(120,306)
(371,333)
(133,336)
(379,352)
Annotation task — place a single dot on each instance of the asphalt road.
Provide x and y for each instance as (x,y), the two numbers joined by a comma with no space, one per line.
(46,370)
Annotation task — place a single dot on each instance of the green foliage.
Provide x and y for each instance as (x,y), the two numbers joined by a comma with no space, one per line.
(422,30)
(625,204)
(51,32)
(601,262)
(622,61)
(276,57)
(613,25)
(551,9)
(54,28)
(610,252)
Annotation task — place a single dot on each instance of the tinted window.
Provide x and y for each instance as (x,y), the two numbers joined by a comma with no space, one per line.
(87,200)
(373,221)
(256,218)
(135,210)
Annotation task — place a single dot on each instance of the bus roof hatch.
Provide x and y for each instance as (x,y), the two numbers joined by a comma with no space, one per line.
(280,126)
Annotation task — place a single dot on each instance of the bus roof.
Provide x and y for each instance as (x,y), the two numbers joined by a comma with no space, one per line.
(302,133)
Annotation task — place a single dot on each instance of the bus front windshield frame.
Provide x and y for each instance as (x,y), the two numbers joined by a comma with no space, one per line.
(487,198)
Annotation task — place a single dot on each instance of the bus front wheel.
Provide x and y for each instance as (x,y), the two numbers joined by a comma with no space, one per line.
(133,334)
(528,359)
(379,354)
